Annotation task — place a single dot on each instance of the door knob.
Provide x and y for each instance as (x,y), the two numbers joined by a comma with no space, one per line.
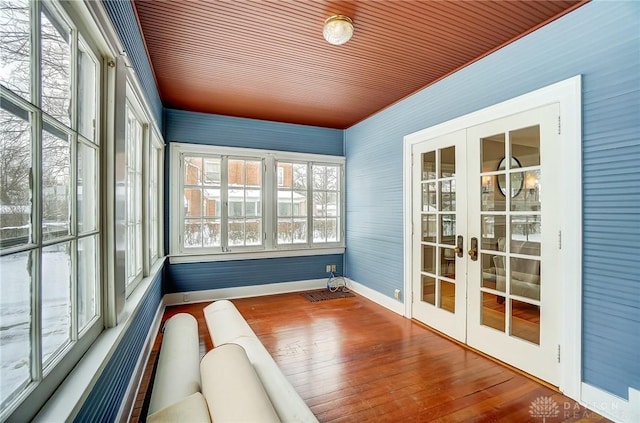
(459,246)
(473,251)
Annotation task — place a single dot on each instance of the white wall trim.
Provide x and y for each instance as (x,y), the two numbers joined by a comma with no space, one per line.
(375,296)
(243,291)
(612,406)
(568,94)
(126,406)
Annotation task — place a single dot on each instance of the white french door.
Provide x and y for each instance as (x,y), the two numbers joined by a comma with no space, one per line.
(485,238)
(439,217)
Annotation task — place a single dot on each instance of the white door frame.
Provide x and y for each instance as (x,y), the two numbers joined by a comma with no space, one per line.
(568,94)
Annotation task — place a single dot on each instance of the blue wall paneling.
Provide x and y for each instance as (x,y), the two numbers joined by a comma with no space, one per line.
(105,399)
(608,57)
(201,128)
(126,24)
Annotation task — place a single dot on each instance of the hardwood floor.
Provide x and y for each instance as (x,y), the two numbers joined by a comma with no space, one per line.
(352,360)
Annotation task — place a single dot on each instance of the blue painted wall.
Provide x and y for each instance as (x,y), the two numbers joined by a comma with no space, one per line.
(601,41)
(124,20)
(104,401)
(197,276)
(201,128)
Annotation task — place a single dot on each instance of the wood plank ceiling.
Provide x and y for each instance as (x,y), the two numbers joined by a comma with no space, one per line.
(268,59)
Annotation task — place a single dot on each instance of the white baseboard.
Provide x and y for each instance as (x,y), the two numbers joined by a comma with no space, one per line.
(242,292)
(612,406)
(129,400)
(375,296)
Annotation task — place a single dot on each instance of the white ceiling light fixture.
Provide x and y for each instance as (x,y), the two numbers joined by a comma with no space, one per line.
(338,29)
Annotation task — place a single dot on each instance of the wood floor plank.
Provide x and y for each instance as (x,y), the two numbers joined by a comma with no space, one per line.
(352,361)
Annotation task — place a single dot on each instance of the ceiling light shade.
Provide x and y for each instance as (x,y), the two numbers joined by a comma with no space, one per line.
(338,29)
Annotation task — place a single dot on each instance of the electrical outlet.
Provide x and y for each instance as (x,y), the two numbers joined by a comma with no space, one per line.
(334,268)
(396,294)
(328,268)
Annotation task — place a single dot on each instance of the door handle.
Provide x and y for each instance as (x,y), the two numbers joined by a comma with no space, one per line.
(473,251)
(459,246)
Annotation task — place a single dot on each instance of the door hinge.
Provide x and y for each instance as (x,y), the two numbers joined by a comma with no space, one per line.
(559,125)
(558,353)
(559,240)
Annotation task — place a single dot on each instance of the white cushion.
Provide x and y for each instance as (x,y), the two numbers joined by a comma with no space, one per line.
(192,409)
(226,325)
(178,371)
(224,319)
(232,389)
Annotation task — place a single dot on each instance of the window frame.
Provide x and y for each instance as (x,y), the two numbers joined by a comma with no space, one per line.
(132,280)
(270,248)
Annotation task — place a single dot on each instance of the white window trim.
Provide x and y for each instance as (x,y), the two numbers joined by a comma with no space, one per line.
(136,108)
(269,249)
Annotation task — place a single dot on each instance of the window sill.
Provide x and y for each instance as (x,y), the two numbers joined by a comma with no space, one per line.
(253,255)
(67,400)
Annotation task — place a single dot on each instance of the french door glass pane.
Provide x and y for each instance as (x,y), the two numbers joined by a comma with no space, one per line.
(525,145)
(56,298)
(429,228)
(448,195)
(429,166)
(56,183)
(448,162)
(55,66)
(429,197)
(493,311)
(87,90)
(15,323)
(448,296)
(525,321)
(87,189)
(15,46)
(15,168)
(528,197)
(493,151)
(429,289)
(87,281)
(429,258)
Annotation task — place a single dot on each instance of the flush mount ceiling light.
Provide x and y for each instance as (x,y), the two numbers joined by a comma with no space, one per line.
(338,29)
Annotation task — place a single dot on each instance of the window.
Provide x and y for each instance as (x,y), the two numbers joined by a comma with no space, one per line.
(232,200)
(133,187)
(49,195)
(154,198)
(235,182)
